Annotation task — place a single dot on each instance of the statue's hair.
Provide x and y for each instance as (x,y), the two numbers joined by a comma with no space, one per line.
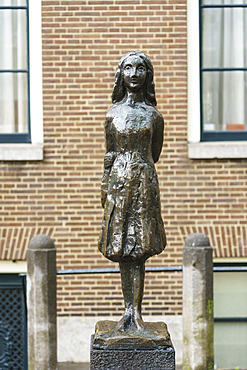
(119,88)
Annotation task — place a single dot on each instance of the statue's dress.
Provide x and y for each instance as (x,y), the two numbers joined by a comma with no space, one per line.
(132,226)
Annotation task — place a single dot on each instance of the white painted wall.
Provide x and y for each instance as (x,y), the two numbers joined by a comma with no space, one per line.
(74,336)
(10,267)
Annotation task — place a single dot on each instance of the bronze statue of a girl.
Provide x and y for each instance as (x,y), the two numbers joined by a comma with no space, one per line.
(132,228)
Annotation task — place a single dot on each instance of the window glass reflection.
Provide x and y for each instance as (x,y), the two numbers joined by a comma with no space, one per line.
(13,39)
(13,103)
(224,101)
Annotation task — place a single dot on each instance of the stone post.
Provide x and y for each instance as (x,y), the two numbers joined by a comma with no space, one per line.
(41,304)
(198,317)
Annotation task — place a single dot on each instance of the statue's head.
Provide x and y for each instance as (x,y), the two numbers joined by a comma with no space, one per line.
(119,88)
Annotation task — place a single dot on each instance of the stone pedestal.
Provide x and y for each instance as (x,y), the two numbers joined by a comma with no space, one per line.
(41,304)
(198,317)
(132,359)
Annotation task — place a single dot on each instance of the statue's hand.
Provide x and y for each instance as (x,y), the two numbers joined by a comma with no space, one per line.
(109,159)
(104,186)
(108,162)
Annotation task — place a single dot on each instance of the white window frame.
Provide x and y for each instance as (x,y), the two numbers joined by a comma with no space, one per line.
(34,150)
(196,148)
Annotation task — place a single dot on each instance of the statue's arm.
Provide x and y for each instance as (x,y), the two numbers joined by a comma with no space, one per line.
(109,144)
(109,158)
(157,140)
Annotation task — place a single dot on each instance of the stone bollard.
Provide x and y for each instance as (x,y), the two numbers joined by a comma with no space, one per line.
(41,304)
(198,317)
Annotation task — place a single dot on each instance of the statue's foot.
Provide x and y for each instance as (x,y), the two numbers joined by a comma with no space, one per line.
(124,323)
(130,322)
(139,323)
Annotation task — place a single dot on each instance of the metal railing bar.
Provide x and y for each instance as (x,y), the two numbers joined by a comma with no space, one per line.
(223,5)
(229,268)
(230,319)
(224,69)
(148,269)
(164,268)
(88,271)
(116,270)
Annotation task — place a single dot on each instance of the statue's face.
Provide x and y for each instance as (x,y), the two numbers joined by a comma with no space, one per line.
(134,72)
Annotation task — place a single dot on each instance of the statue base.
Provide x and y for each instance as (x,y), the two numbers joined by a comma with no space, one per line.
(132,359)
(152,335)
(149,348)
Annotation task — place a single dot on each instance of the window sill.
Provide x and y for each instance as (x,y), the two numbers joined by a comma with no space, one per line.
(21,152)
(218,149)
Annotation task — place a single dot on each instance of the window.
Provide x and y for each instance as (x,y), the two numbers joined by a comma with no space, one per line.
(21,119)
(14,72)
(230,312)
(223,57)
(217,78)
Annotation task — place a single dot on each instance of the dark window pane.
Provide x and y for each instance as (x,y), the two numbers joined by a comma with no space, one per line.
(224,37)
(13,103)
(224,101)
(13,39)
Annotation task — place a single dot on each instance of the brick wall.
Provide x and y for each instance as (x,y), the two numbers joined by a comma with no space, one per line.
(82,44)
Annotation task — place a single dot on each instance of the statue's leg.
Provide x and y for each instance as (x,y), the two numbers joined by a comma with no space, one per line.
(132,276)
(139,275)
